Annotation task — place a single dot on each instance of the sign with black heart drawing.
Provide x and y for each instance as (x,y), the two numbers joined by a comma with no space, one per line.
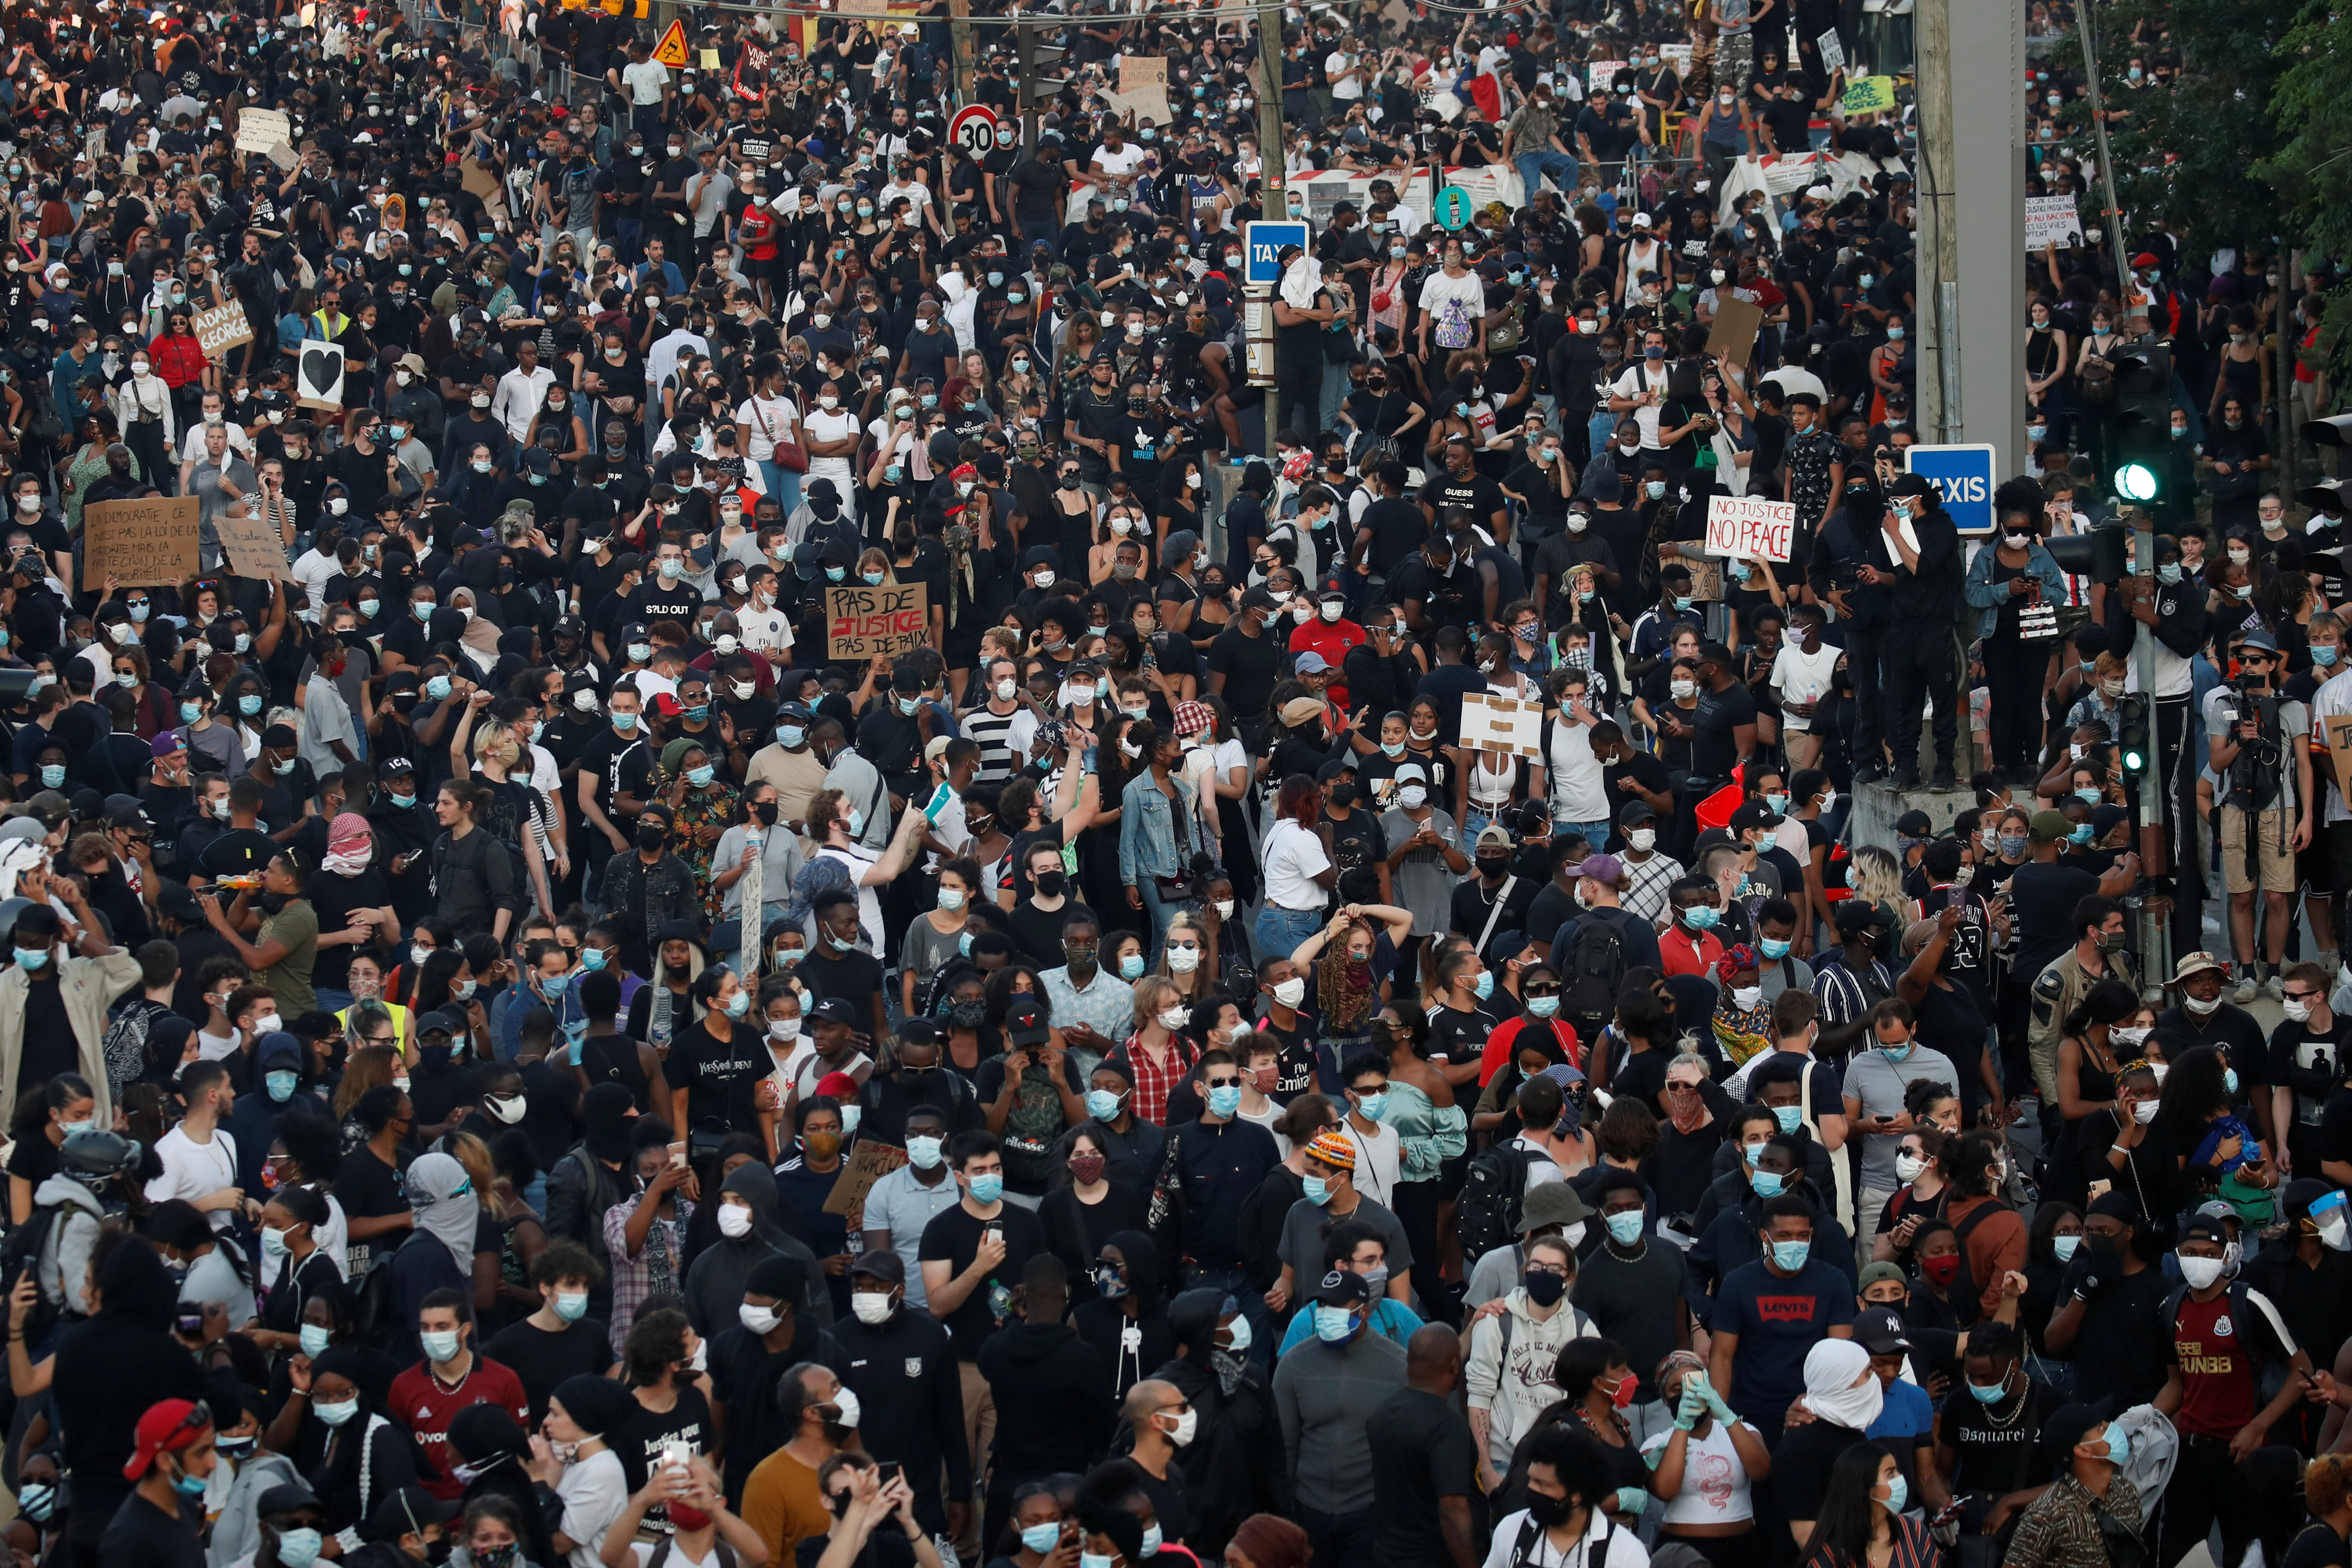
(319,382)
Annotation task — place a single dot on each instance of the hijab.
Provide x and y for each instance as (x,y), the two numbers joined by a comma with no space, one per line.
(1832,1391)
(443,1197)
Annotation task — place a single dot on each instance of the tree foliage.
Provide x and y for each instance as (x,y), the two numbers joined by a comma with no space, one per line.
(2192,152)
(2311,170)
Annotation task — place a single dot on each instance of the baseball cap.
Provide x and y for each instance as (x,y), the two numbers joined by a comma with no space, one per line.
(2049,826)
(1302,711)
(1342,1288)
(1599,868)
(1493,836)
(1311,663)
(167,1426)
(881,1263)
(409,1510)
(1879,1331)
(834,1010)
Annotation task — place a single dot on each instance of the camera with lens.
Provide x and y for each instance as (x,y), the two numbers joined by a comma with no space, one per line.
(2255,774)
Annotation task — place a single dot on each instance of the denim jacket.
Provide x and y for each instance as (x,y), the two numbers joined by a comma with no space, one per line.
(1986,595)
(1147,835)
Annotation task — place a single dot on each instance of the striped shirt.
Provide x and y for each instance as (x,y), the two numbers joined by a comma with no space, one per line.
(994,734)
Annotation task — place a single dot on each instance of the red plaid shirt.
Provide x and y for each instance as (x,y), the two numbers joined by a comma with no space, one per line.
(1154,1080)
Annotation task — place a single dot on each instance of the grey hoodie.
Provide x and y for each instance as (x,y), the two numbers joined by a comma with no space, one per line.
(715,1281)
(64,1270)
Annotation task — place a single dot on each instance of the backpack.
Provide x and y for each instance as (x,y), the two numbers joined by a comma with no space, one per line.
(1591,973)
(1031,1127)
(1494,1190)
(1965,1287)
(2270,1372)
(21,1255)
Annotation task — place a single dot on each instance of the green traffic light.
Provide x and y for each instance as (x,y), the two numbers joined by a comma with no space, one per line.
(2133,762)
(2135,482)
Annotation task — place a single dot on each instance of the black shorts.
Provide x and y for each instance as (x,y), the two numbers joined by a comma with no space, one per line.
(2313,872)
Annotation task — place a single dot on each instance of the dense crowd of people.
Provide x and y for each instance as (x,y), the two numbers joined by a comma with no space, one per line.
(527,1044)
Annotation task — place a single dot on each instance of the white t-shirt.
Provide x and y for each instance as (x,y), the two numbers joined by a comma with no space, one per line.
(1636,381)
(1577,795)
(592,1492)
(193,1170)
(645,82)
(1342,87)
(1294,857)
(769,420)
(764,629)
(1715,1483)
(1118,165)
(1376,1161)
(1455,306)
(834,425)
(1801,677)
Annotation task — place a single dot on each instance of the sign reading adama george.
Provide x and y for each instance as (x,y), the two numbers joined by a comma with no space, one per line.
(877,623)
(145,544)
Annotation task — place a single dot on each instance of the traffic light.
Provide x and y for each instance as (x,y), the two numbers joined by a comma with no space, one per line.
(2102,555)
(2142,458)
(2131,733)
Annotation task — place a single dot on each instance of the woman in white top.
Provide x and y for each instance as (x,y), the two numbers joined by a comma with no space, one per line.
(591,1485)
(1703,1467)
(1298,873)
(763,420)
(832,438)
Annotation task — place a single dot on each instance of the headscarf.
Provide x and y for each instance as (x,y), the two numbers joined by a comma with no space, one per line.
(167,1041)
(1832,1392)
(1270,1540)
(490,1447)
(351,844)
(1343,989)
(1743,1033)
(442,1194)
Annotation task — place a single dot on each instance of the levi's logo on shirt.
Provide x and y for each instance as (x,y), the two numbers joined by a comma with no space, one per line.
(1786,1309)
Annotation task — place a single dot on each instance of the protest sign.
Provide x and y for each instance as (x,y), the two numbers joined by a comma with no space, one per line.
(868,1162)
(319,375)
(877,623)
(1707,581)
(1149,102)
(2052,218)
(2338,732)
(1748,528)
(259,130)
(1502,724)
(1135,70)
(145,544)
(1870,95)
(1832,51)
(250,546)
(1733,335)
(222,328)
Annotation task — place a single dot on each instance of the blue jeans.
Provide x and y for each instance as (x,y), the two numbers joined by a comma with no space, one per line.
(1154,911)
(1533,166)
(1600,430)
(782,484)
(1593,833)
(1279,932)
(1473,822)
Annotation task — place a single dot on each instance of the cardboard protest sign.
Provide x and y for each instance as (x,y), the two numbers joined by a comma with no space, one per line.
(868,1163)
(1135,70)
(1736,322)
(222,328)
(319,376)
(478,182)
(1832,51)
(1707,581)
(2339,734)
(1749,528)
(1502,724)
(145,544)
(259,130)
(2049,218)
(251,546)
(1147,102)
(865,623)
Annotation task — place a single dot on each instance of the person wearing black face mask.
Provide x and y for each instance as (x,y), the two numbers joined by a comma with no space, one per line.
(1496,900)
(647,887)
(1354,838)
(1141,443)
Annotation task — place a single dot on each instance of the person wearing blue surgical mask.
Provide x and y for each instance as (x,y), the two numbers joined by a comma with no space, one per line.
(1690,946)
(989,1243)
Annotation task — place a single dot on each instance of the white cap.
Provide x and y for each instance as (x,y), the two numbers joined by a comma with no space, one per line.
(1641,220)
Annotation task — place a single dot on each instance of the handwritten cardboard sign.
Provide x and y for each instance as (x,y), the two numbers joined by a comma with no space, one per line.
(868,1163)
(259,130)
(1870,95)
(1147,102)
(222,328)
(251,546)
(319,375)
(1707,581)
(1749,528)
(2339,734)
(1832,50)
(1134,71)
(877,623)
(1502,724)
(145,544)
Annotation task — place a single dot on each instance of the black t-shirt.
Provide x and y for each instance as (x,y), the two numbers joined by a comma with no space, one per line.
(1720,714)
(333,898)
(647,1432)
(853,976)
(142,1535)
(1475,915)
(2311,1064)
(953,1236)
(1475,493)
(35,1159)
(719,1076)
(49,1047)
(1801,1462)
(2043,898)
(1458,1036)
(1250,665)
(541,1361)
(1398,528)
(1422,1450)
(2317,1547)
(1999,1443)
(370,1189)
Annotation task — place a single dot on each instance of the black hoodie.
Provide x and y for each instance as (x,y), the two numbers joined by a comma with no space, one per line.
(1054,1406)
(109,1369)
(1103,1323)
(1234,1466)
(910,1392)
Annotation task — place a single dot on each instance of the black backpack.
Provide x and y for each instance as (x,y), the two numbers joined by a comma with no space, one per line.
(21,1255)
(1591,973)
(1494,1190)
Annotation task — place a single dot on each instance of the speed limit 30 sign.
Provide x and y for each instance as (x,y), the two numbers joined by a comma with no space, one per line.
(973,129)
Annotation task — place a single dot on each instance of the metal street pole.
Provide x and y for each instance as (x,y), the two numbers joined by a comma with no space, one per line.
(2155,830)
(1273,200)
